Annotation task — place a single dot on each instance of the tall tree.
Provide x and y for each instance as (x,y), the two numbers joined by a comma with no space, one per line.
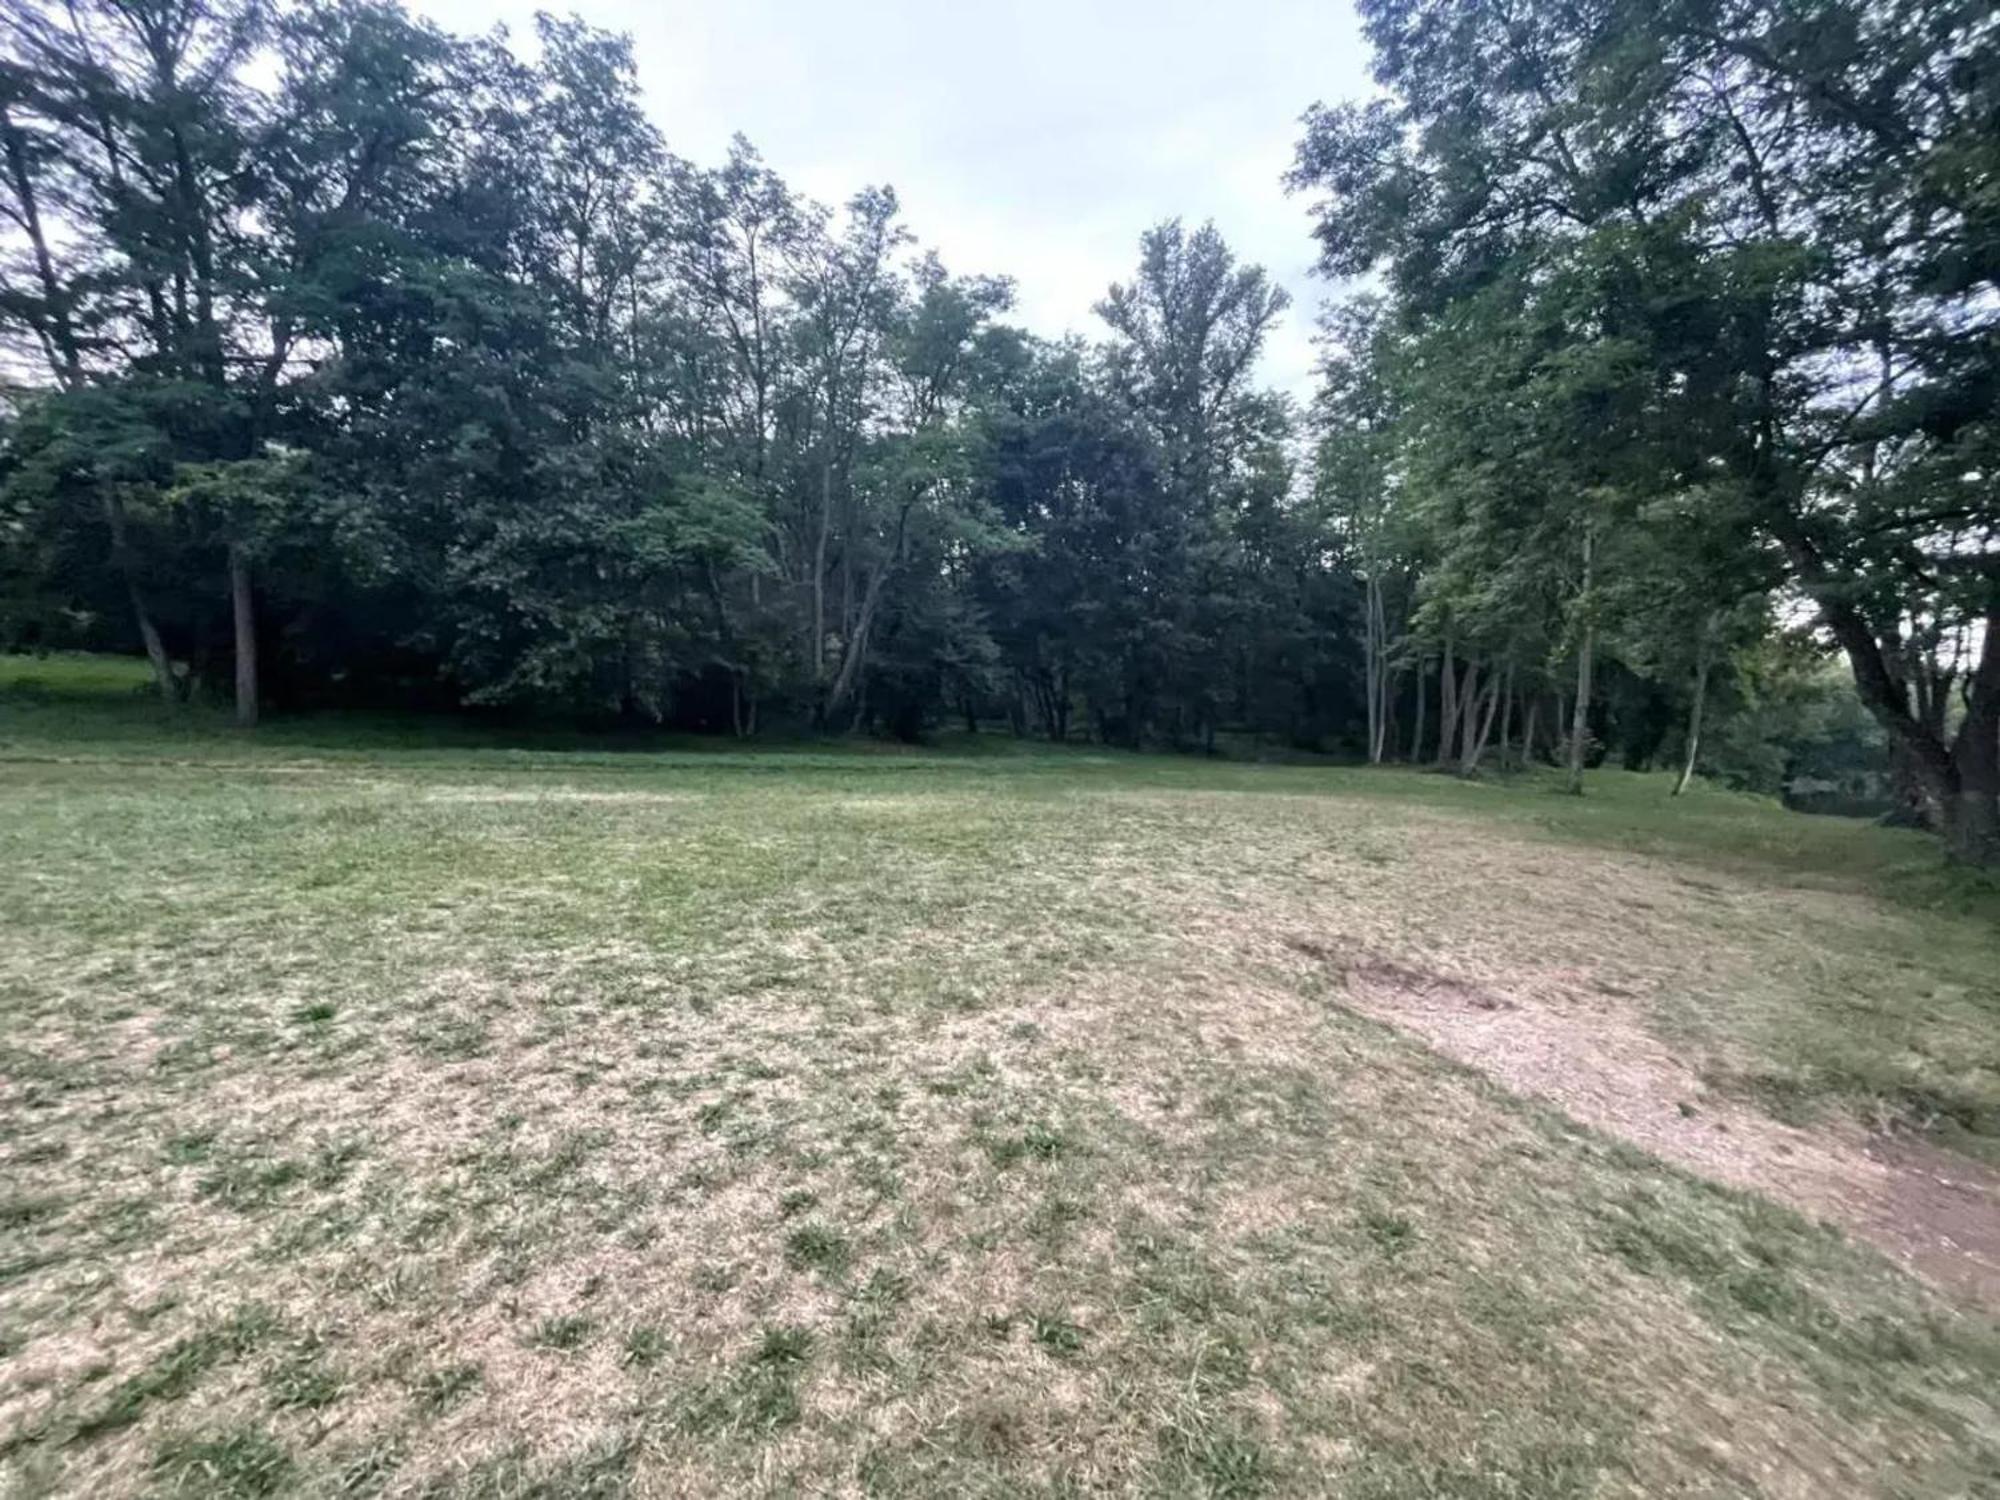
(1817,177)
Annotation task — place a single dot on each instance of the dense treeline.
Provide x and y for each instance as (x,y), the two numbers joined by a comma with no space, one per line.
(421,370)
(1689,327)
(352,361)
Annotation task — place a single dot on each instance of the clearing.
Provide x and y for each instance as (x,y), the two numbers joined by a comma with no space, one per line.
(385,1114)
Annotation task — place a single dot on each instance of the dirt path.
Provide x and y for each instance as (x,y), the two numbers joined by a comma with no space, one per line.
(1935,1212)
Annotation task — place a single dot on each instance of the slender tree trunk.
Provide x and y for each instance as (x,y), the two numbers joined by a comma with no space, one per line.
(1469,695)
(1373,649)
(149,633)
(1381,680)
(1528,731)
(742,706)
(1447,705)
(855,649)
(1385,683)
(1506,714)
(1579,724)
(156,650)
(1694,716)
(860,718)
(243,608)
(1417,737)
(1479,713)
(819,575)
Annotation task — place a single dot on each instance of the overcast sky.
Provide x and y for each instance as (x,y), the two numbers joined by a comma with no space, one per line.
(1028,138)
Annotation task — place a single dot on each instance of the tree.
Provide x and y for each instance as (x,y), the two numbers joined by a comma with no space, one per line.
(1796,194)
(1186,332)
(125,126)
(1355,480)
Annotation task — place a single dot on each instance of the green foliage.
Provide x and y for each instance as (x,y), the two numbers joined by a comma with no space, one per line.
(1712,284)
(816,1247)
(238,1464)
(503,405)
(1058,1334)
(564,1333)
(1796,722)
(429,372)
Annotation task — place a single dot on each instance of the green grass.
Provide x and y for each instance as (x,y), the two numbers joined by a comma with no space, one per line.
(426,1109)
(243,1462)
(102,687)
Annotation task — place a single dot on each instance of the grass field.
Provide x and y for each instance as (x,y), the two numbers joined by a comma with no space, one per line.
(397,1111)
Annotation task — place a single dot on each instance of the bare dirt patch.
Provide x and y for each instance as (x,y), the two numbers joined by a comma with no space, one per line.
(1593,1058)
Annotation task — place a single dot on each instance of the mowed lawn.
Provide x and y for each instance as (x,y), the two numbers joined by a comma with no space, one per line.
(392,1114)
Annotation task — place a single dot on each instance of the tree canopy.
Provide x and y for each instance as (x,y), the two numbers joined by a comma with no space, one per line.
(437,375)
(1693,314)
(352,361)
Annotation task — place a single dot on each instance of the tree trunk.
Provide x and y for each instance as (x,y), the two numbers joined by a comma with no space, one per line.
(1579,724)
(1913,795)
(1417,737)
(1694,716)
(1373,647)
(1447,705)
(1528,731)
(860,719)
(246,636)
(742,707)
(1478,725)
(854,651)
(819,580)
(1381,679)
(156,650)
(149,633)
(1972,826)
(1962,779)
(1469,695)
(1388,715)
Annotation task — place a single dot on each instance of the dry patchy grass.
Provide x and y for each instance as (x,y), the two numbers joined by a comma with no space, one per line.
(687,1127)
